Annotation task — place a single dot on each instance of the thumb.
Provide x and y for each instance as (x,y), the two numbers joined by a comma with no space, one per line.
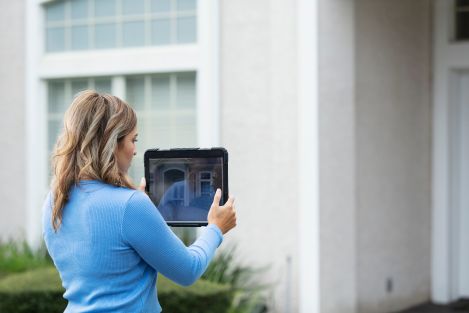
(142,185)
(216,198)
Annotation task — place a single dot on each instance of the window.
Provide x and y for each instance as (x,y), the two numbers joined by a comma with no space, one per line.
(165,105)
(166,112)
(462,20)
(178,84)
(107,24)
(205,183)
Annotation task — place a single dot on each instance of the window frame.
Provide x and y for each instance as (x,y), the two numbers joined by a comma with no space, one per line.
(200,180)
(201,57)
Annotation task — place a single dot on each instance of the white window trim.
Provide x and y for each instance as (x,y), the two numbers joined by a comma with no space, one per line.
(448,58)
(308,156)
(202,57)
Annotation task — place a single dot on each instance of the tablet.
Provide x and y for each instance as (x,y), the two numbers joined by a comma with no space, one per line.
(182,183)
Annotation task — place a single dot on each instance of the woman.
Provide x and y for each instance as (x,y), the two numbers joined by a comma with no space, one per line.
(106,237)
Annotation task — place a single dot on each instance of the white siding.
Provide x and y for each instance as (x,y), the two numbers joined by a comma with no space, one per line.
(12,112)
(259,129)
(393,145)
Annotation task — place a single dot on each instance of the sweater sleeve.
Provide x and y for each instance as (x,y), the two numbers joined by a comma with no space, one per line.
(144,229)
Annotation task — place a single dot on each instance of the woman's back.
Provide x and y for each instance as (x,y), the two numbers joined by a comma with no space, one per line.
(94,260)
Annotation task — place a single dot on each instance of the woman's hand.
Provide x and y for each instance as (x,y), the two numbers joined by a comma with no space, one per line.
(222,216)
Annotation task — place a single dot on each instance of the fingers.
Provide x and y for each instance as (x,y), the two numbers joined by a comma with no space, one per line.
(230,201)
(233,220)
(222,216)
(142,185)
(216,198)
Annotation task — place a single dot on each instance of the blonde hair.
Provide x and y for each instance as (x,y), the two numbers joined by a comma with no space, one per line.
(93,126)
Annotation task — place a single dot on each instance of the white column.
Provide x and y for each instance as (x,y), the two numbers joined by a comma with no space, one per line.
(308,155)
(463,271)
(208,85)
(440,171)
(35,123)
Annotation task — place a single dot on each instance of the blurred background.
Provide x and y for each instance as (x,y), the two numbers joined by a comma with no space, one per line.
(346,122)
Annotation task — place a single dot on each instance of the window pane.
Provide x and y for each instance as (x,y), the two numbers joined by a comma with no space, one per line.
(184,132)
(205,187)
(161,32)
(56,96)
(105,7)
(79,37)
(186,90)
(158,132)
(186,29)
(136,92)
(134,34)
(136,170)
(71,24)
(160,92)
(55,39)
(130,7)
(105,36)
(79,85)
(53,129)
(55,11)
(79,9)
(103,85)
(160,5)
(186,5)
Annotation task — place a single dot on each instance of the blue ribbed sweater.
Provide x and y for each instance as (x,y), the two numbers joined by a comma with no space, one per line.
(111,245)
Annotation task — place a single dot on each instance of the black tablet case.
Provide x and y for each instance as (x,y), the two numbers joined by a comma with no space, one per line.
(189,153)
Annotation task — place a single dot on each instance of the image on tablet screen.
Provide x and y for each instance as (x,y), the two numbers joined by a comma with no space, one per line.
(183,188)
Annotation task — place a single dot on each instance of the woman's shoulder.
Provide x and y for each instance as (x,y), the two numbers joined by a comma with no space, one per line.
(99,194)
(131,197)
(139,197)
(139,203)
(113,191)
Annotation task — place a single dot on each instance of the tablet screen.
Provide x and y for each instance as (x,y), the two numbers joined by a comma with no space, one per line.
(183,188)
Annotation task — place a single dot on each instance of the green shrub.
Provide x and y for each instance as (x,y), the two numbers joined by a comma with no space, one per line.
(203,296)
(41,291)
(18,257)
(241,291)
(248,292)
(37,291)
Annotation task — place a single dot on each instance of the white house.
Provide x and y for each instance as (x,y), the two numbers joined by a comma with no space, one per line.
(346,122)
